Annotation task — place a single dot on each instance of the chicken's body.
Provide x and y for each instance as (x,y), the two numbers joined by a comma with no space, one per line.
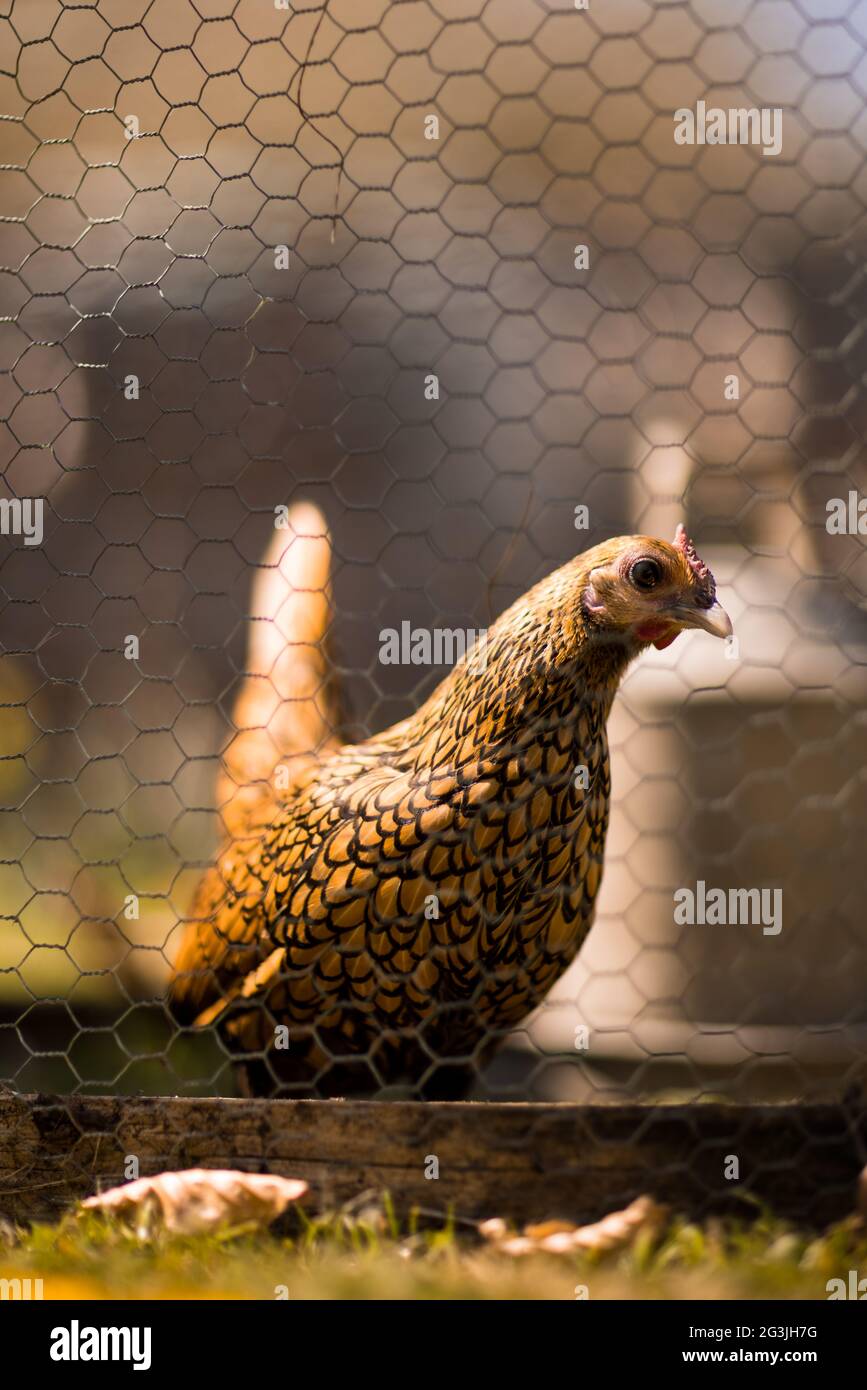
(404,902)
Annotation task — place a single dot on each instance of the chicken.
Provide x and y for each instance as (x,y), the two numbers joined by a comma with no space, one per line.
(385,912)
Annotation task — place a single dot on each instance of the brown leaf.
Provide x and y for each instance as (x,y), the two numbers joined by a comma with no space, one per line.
(613,1231)
(517,1245)
(494,1229)
(549,1228)
(617,1229)
(199,1200)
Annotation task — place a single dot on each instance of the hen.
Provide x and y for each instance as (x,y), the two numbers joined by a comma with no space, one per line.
(385,912)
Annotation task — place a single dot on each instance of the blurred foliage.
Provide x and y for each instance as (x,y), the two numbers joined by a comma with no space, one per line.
(368,1254)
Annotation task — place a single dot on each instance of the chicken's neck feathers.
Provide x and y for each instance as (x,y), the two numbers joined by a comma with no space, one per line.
(542,667)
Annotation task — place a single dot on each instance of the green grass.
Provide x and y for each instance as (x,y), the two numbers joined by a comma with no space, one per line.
(371,1255)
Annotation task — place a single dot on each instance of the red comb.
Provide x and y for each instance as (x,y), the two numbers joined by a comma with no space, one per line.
(706,582)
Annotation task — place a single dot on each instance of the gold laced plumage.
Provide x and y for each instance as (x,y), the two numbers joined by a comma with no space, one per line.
(396,906)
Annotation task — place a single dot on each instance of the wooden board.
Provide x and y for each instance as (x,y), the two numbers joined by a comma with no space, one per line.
(524,1161)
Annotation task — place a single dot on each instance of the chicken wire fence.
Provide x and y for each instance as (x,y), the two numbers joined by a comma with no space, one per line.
(442,268)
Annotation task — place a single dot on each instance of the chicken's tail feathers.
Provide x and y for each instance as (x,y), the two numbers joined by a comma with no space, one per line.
(287,704)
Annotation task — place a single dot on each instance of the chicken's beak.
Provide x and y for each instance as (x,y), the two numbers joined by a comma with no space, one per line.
(714,620)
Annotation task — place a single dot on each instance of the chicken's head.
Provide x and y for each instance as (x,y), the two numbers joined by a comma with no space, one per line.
(648,591)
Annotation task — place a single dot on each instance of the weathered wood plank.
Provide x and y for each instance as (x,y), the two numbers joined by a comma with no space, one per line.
(525,1161)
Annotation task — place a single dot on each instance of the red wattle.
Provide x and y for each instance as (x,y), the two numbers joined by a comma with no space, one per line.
(660,632)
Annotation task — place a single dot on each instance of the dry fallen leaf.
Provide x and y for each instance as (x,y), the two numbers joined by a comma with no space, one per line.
(517,1245)
(199,1200)
(614,1230)
(550,1228)
(617,1229)
(495,1229)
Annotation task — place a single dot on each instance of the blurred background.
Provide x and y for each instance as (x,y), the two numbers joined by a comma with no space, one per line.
(154,257)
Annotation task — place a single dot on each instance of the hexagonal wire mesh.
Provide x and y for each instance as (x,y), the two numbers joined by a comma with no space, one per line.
(168,382)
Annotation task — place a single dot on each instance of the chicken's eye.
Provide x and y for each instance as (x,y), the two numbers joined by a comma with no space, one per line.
(646,574)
